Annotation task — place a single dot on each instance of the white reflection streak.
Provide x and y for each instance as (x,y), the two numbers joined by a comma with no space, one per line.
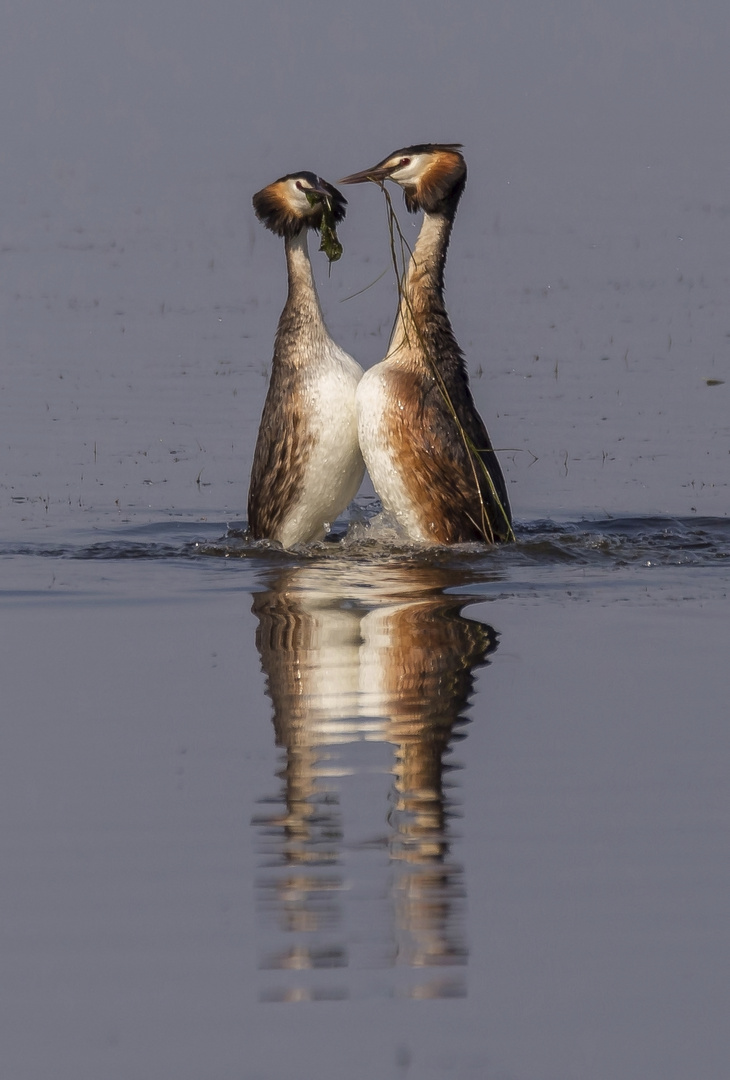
(364,653)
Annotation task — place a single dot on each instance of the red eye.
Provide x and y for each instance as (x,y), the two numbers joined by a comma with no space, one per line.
(298,185)
(404,161)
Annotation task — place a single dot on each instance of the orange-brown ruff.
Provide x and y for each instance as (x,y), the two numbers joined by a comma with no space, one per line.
(442,484)
(307,464)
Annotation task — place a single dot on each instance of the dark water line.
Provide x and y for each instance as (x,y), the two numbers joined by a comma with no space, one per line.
(608,543)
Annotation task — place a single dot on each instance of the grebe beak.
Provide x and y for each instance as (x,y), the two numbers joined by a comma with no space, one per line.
(318,189)
(377,174)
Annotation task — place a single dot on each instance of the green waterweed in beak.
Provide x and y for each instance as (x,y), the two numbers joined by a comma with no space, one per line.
(330,245)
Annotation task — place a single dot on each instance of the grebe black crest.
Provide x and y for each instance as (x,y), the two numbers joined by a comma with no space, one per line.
(297,201)
(307,463)
(425,445)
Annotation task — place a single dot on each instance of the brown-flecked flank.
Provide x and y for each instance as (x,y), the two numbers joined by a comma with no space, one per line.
(279,461)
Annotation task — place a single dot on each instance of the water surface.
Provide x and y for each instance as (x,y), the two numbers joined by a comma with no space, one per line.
(485,785)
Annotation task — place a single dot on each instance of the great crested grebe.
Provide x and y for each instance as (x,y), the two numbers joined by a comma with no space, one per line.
(307,464)
(439,478)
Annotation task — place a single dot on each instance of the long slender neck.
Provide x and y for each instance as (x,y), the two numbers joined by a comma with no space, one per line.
(426,269)
(421,311)
(301,325)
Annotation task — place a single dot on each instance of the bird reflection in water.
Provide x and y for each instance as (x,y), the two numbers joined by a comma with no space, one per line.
(369,671)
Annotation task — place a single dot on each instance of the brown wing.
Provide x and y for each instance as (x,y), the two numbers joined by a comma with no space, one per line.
(278,462)
(437,339)
(446,482)
(493,488)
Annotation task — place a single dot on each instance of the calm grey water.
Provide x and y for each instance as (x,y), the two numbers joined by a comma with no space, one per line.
(362,811)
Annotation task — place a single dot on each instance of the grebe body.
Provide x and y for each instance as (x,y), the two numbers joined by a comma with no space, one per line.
(426,447)
(307,463)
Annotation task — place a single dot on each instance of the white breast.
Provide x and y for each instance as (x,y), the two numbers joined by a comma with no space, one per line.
(376,403)
(334,468)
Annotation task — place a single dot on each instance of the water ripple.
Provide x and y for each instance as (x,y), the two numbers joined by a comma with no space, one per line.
(610,542)
(613,542)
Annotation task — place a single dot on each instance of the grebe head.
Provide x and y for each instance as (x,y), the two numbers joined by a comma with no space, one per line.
(296,202)
(431,175)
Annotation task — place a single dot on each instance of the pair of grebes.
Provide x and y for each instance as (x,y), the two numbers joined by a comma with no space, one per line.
(410,419)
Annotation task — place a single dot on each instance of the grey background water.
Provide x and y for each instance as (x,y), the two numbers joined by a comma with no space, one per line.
(556,905)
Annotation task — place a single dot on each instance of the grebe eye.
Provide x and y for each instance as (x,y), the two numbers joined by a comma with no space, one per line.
(404,161)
